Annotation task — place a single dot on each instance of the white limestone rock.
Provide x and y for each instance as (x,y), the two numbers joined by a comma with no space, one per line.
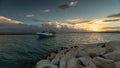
(48,66)
(64,58)
(91,65)
(115,55)
(82,47)
(101,45)
(80,66)
(43,62)
(95,51)
(72,63)
(112,46)
(62,64)
(85,60)
(103,63)
(52,56)
(70,54)
(81,52)
(117,64)
(57,57)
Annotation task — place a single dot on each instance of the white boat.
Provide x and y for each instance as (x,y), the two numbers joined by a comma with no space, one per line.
(45,35)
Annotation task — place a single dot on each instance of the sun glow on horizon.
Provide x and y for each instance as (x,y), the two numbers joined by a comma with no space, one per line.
(95,29)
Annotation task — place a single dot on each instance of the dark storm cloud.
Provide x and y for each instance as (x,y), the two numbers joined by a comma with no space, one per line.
(68,5)
(114,15)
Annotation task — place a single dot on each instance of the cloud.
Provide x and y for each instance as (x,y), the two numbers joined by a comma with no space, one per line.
(30,15)
(59,27)
(94,21)
(68,5)
(114,15)
(65,6)
(111,28)
(78,25)
(74,21)
(46,10)
(72,3)
(8,20)
(9,25)
(112,20)
(78,21)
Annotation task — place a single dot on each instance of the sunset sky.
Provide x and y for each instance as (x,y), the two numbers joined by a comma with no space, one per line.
(95,15)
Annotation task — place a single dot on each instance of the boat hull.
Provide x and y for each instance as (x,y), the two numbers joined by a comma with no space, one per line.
(45,35)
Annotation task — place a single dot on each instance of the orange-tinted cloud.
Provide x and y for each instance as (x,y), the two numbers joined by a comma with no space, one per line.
(111,28)
(78,21)
(112,20)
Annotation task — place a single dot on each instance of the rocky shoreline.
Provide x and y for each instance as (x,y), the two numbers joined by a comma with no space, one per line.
(101,55)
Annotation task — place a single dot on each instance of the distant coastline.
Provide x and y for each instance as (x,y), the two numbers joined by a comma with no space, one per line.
(32,33)
(17,33)
(97,32)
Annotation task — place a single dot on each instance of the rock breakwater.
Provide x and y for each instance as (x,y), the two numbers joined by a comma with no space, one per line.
(101,55)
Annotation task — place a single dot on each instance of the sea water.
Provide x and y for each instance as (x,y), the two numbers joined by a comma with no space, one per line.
(17,50)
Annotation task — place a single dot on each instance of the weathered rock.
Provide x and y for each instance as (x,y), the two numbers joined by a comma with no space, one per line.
(64,58)
(112,46)
(80,66)
(72,63)
(52,56)
(103,63)
(80,57)
(81,53)
(57,57)
(62,64)
(87,67)
(91,65)
(82,47)
(101,45)
(95,51)
(43,62)
(85,60)
(117,64)
(70,54)
(48,66)
(115,55)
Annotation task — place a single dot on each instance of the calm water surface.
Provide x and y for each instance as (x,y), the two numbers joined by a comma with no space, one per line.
(16,50)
